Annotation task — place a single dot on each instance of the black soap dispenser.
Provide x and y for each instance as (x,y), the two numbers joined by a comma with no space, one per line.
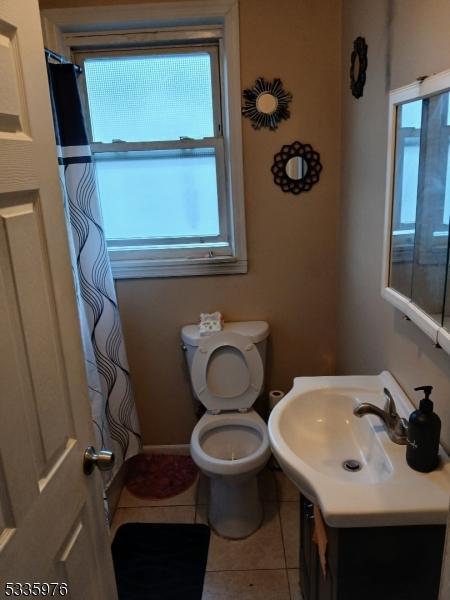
(423,435)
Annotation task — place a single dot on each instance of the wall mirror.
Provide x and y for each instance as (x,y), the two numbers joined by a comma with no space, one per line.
(296,168)
(266,103)
(416,250)
(358,67)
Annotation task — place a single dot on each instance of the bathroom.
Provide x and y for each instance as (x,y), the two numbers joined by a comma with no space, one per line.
(314,259)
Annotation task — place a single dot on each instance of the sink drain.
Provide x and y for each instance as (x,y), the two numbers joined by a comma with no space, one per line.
(352,465)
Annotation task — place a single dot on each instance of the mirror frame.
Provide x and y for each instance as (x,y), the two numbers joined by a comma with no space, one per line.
(422,88)
(311,158)
(270,119)
(358,60)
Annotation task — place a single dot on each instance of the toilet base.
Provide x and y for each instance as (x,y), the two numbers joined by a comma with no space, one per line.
(235,509)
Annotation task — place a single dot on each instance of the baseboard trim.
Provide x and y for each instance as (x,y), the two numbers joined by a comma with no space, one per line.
(115,489)
(182,449)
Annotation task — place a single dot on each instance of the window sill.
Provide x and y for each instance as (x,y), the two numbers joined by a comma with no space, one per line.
(147,268)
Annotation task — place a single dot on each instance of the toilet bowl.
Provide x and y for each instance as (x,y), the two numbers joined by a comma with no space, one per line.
(230,449)
(230,442)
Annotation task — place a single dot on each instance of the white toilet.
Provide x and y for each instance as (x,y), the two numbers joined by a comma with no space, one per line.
(230,443)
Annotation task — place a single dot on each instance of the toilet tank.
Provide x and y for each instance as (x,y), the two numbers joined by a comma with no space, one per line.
(256,331)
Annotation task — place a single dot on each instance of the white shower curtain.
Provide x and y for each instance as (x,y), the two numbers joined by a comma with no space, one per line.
(113,409)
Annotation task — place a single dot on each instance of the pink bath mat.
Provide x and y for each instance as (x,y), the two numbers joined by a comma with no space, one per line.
(158,476)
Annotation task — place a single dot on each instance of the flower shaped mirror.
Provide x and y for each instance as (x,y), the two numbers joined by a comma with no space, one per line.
(296,168)
(358,67)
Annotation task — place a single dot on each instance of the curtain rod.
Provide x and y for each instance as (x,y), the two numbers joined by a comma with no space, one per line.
(61,59)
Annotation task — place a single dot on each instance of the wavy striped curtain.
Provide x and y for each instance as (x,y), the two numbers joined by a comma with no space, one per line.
(113,409)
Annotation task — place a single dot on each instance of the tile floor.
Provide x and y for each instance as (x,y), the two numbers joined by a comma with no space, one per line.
(261,567)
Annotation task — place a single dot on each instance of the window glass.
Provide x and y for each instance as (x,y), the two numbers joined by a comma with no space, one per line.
(157,194)
(150,98)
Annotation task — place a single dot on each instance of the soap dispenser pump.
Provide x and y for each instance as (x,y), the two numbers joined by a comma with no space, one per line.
(424,430)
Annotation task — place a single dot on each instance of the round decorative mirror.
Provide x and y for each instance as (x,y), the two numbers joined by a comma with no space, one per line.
(296,168)
(358,67)
(266,103)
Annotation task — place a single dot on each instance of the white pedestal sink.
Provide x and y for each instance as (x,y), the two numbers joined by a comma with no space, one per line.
(313,434)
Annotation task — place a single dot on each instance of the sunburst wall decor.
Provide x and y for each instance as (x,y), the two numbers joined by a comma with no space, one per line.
(266,103)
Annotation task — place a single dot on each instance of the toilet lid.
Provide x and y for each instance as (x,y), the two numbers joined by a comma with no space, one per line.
(227,372)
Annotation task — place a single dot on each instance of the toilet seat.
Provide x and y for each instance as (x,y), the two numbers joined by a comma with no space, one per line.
(219,466)
(243,398)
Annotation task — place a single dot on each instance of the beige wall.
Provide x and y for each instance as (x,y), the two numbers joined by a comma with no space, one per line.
(406,39)
(291,239)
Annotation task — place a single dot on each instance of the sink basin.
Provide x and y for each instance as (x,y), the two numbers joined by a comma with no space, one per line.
(323,431)
(348,465)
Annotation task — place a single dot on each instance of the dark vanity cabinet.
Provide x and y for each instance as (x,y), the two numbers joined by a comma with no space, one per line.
(371,563)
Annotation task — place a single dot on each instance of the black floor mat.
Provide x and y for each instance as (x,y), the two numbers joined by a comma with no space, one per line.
(156,561)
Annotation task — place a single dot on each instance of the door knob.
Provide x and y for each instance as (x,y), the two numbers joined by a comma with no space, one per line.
(104,460)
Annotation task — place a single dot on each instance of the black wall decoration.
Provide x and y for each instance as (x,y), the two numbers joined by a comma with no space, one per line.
(266,103)
(358,67)
(296,168)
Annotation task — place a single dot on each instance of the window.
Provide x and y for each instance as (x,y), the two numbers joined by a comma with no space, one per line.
(161,133)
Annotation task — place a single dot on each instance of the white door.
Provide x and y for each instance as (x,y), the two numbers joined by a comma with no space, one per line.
(52,522)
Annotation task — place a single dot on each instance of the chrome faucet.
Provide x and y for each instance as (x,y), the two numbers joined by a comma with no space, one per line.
(396,426)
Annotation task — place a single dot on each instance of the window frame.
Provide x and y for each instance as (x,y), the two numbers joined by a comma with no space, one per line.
(175,246)
(69,31)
